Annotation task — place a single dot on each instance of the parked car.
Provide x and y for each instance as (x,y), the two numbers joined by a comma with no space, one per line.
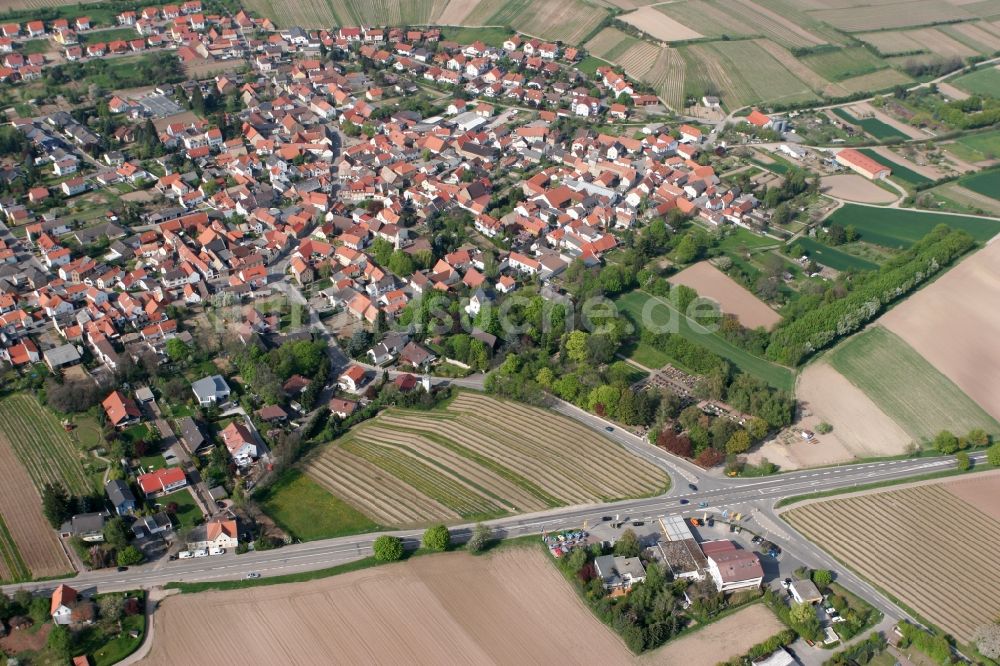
(215,550)
(185,554)
(252,575)
(755,540)
(637,523)
(122,568)
(201,552)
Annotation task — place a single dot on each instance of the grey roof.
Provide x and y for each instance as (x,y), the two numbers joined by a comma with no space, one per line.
(85,523)
(61,355)
(210,386)
(118,492)
(190,432)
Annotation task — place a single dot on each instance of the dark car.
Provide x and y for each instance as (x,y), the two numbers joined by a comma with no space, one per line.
(609,428)
(756,539)
(684,501)
(693,487)
(122,568)
(605,519)
(637,523)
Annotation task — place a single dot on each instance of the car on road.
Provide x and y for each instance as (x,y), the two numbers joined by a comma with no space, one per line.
(605,519)
(252,575)
(692,487)
(122,568)
(609,428)
(755,540)
(684,501)
(637,523)
(702,505)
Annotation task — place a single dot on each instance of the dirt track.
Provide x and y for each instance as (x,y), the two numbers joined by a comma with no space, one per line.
(732,298)
(954,324)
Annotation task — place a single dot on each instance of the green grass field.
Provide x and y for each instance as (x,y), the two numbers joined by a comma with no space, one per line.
(631,304)
(188,514)
(906,387)
(308,512)
(899,171)
(489,36)
(986,183)
(105,36)
(873,126)
(901,227)
(834,258)
(843,63)
(976,147)
(744,239)
(983,81)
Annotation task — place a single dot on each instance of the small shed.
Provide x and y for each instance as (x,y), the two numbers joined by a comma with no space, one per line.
(805,592)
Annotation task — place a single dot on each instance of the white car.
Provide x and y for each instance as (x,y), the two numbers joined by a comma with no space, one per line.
(184,554)
(215,550)
(201,552)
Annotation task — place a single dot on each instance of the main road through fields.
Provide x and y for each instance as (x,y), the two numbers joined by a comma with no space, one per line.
(754,497)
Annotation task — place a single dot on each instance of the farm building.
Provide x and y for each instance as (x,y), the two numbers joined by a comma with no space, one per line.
(731,568)
(862,164)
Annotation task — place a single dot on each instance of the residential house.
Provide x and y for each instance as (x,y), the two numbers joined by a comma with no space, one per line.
(164,481)
(215,534)
(211,390)
(120,496)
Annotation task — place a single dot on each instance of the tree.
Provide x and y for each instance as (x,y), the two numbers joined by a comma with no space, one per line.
(177,350)
(38,609)
(978,437)
(945,442)
(388,548)
(130,555)
(804,620)
(993,455)
(738,443)
(115,533)
(481,537)
(962,461)
(437,538)
(111,608)
(822,578)
(59,643)
(56,504)
(627,544)
(823,428)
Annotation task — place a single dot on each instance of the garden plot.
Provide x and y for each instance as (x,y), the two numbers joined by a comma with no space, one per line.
(732,297)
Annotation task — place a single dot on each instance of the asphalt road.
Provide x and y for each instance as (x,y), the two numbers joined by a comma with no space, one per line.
(753,497)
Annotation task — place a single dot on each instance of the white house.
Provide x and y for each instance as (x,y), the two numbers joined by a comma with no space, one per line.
(240,443)
(216,534)
(211,390)
(63,600)
(731,568)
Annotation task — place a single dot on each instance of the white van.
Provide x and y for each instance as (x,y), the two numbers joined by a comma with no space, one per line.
(184,554)
(215,550)
(201,552)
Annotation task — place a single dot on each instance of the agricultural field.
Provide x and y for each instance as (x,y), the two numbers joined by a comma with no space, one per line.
(732,297)
(565,20)
(767,78)
(659,26)
(479,458)
(979,35)
(667,76)
(843,63)
(893,43)
(941,44)
(28,545)
(305,510)
(983,81)
(914,543)
(978,147)
(899,171)
(42,445)
(853,187)
(610,43)
(742,18)
(882,79)
(948,324)
(450,607)
(878,129)
(664,315)
(986,183)
(906,386)
(794,65)
(901,227)
(834,258)
(877,17)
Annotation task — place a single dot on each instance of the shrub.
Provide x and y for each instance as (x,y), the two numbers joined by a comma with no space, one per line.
(480,538)
(388,548)
(130,555)
(437,538)
(962,461)
(824,428)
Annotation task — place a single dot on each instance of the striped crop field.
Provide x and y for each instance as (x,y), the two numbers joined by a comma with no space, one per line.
(480,458)
(933,546)
(42,445)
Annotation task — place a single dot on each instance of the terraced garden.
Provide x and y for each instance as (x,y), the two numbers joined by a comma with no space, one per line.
(480,458)
(922,544)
